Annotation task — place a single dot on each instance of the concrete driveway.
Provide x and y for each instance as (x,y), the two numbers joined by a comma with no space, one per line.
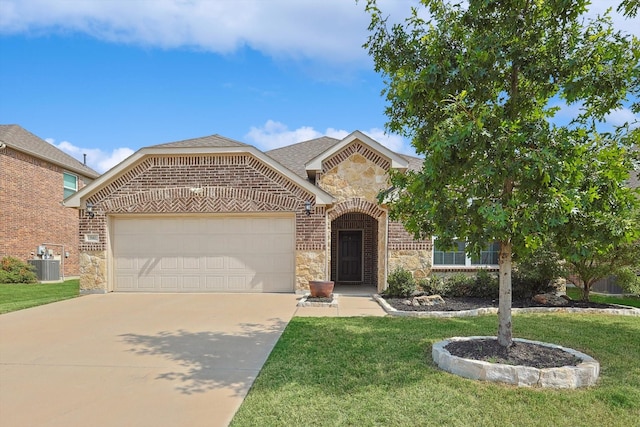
(136,359)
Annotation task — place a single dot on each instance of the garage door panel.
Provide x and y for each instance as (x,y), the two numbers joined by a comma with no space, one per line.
(215,283)
(192,282)
(235,263)
(169,282)
(147,283)
(215,263)
(237,283)
(245,254)
(191,263)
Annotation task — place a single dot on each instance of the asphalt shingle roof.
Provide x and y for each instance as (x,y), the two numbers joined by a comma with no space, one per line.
(22,140)
(294,157)
(205,141)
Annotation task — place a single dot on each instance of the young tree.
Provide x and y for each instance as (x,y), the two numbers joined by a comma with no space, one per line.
(602,233)
(474,86)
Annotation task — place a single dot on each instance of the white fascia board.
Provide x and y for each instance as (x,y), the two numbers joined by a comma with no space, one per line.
(77,200)
(397,162)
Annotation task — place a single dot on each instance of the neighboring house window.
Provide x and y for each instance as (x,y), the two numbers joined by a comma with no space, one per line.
(458,257)
(70,184)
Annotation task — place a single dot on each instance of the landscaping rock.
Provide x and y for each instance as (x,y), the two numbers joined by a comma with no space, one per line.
(550,299)
(424,300)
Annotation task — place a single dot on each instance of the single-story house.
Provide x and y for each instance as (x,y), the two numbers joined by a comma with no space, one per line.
(216,215)
(35,177)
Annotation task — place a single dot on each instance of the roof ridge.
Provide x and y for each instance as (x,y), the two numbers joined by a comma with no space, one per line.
(304,142)
(201,139)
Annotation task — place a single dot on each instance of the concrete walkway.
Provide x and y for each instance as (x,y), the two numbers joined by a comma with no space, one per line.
(348,306)
(143,359)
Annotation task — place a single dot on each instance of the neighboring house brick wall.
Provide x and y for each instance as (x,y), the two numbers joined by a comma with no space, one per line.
(31,193)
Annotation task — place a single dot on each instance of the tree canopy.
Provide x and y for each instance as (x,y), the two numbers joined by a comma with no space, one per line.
(476,87)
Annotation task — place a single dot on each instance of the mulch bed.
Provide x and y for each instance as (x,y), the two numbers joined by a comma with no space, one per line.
(459,304)
(519,353)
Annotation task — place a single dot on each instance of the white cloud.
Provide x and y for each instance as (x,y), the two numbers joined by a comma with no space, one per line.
(275,134)
(620,116)
(97,159)
(331,30)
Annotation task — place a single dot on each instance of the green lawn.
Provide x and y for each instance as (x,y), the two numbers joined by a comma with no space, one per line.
(574,293)
(18,296)
(378,371)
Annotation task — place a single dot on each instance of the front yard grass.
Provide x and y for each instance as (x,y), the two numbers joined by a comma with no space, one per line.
(17,296)
(379,371)
(575,293)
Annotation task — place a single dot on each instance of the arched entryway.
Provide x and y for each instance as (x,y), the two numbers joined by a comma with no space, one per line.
(354,250)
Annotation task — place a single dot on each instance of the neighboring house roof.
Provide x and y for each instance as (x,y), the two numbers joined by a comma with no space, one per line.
(22,140)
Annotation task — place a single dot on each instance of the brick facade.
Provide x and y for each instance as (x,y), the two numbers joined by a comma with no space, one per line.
(203,184)
(242,182)
(31,212)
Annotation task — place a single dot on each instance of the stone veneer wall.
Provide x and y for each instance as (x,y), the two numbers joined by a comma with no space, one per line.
(93,271)
(310,265)
(355,176)
(406,252)
(416,261)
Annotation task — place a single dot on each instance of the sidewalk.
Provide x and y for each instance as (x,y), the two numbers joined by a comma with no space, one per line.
(348,306)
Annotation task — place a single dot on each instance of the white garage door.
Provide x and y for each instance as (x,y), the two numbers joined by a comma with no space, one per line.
(203,254)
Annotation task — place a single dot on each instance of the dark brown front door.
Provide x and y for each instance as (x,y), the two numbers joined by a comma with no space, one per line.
(350,256)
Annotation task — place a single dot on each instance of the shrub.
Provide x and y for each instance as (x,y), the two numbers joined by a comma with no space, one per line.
(13,270)
(459,285)
(401,283)
(434,285)
(534,274)
(482,285)
(485,286)
(628,280)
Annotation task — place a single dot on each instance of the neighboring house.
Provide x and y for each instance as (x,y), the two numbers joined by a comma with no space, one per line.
(35,177)
(213,214)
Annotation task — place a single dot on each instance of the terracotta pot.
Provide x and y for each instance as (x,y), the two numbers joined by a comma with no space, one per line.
(321,288)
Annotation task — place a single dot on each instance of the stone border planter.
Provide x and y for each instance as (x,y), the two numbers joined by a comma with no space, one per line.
(305,303)
(632,311)
(583,375)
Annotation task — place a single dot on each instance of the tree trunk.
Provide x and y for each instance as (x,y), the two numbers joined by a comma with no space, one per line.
(586,289)
(505,338)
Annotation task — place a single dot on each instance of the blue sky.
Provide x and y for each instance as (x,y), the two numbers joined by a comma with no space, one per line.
(107,77)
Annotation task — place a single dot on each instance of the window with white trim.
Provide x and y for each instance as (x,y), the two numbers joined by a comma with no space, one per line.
(457,257)
(70,184)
